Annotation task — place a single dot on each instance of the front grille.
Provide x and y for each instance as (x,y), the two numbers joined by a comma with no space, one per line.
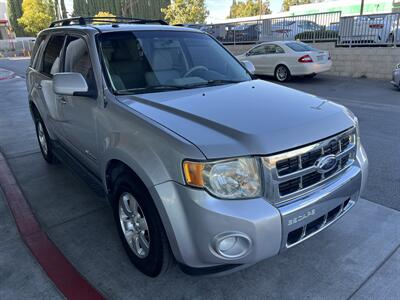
(297,171)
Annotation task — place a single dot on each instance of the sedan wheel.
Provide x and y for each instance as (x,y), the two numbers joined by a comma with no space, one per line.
(282,73)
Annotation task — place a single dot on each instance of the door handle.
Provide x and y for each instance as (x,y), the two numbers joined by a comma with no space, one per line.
(63,100)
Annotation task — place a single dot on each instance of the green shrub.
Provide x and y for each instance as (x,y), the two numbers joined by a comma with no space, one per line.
(318,35)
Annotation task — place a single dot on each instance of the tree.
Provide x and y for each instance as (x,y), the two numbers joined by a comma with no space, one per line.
(287,3)
(36,15)
(63,10)
(186,11)
(146,9)
(249,8)
(14,12)
(57,10)
(103,14)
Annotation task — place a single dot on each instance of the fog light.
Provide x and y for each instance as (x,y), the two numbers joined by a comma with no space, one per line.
(227,243)
(232,245)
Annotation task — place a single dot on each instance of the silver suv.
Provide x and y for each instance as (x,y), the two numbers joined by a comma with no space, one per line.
(202,163)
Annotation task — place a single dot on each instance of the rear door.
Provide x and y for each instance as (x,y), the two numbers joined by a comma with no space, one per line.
(45,65)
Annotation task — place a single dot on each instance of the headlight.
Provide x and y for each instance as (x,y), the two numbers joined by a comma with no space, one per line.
(238,178)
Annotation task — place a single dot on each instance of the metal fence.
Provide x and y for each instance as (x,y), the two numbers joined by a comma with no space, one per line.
(16,47)
(368,30)
(316,27)
(382,29)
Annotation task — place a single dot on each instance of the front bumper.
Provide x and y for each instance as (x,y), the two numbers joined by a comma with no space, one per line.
(396,78)
(192,218)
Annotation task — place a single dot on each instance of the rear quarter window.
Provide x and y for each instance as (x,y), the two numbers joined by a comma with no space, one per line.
(300,47)
(39,44)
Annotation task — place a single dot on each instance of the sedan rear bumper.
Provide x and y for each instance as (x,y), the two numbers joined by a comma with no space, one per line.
(310,68)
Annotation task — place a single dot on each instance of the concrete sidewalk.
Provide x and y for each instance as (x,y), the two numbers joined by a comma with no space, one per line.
(356,258)
(21,277)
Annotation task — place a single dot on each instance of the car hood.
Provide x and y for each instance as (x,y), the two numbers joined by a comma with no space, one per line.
(248,118)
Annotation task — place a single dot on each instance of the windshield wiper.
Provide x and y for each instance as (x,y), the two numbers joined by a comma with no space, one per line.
(212,82)
(153,88)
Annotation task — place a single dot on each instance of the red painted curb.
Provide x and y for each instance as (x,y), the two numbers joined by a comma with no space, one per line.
(63,274)
(6,74)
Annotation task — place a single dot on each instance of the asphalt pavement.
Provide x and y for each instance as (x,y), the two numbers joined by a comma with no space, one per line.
(358,257)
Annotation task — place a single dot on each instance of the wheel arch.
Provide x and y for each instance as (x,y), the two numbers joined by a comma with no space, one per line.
(114,168)
(34,110)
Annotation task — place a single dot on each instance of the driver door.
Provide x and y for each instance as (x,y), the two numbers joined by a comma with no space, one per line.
(79,112)
(257,57)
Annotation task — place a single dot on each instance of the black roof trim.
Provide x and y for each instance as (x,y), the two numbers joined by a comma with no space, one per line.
(82,21)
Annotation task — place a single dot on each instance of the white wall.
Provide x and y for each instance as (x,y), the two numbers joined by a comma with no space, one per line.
(370,62)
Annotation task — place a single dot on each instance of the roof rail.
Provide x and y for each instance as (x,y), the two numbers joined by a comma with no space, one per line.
(113,20)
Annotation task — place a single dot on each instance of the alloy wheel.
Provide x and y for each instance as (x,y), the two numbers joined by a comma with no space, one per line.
(42,138)
(134,225)
(282,73)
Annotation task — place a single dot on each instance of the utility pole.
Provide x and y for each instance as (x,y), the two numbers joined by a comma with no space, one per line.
(362,7)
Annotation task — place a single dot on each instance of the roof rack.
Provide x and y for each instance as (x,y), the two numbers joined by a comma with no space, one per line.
(112,20)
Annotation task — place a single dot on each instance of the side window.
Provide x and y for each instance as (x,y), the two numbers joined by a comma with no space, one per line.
(51,56)
(279,49)
(258,50)
(270,49)
(39,44)
(77,60)
(275,49)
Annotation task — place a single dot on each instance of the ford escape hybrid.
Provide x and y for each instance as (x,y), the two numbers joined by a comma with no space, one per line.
(202,163)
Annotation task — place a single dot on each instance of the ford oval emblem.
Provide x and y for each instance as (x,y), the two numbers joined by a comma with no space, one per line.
(326,163)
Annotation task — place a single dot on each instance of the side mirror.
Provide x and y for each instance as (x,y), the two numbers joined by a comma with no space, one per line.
(70,84)
(249,66)
(247,53)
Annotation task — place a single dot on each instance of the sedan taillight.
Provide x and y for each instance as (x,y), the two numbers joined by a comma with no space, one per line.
(305,59)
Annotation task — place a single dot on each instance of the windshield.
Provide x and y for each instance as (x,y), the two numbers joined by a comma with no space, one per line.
(300,47)
(153,61)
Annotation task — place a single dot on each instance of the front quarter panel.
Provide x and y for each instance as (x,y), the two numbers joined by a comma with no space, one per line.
(153,152)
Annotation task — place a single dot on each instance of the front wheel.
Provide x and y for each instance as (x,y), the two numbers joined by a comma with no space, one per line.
(282,73)
(140,227)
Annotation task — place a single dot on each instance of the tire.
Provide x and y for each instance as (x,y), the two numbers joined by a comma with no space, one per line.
(46,147)
(310,76)
(282,73)
(390,38)
(137,220)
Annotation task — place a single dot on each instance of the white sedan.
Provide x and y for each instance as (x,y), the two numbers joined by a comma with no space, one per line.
(285,59)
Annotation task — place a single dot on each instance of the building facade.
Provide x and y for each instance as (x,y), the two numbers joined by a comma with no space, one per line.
(347,7)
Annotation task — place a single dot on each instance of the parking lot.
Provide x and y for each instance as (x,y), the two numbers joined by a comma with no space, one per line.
(358,258)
